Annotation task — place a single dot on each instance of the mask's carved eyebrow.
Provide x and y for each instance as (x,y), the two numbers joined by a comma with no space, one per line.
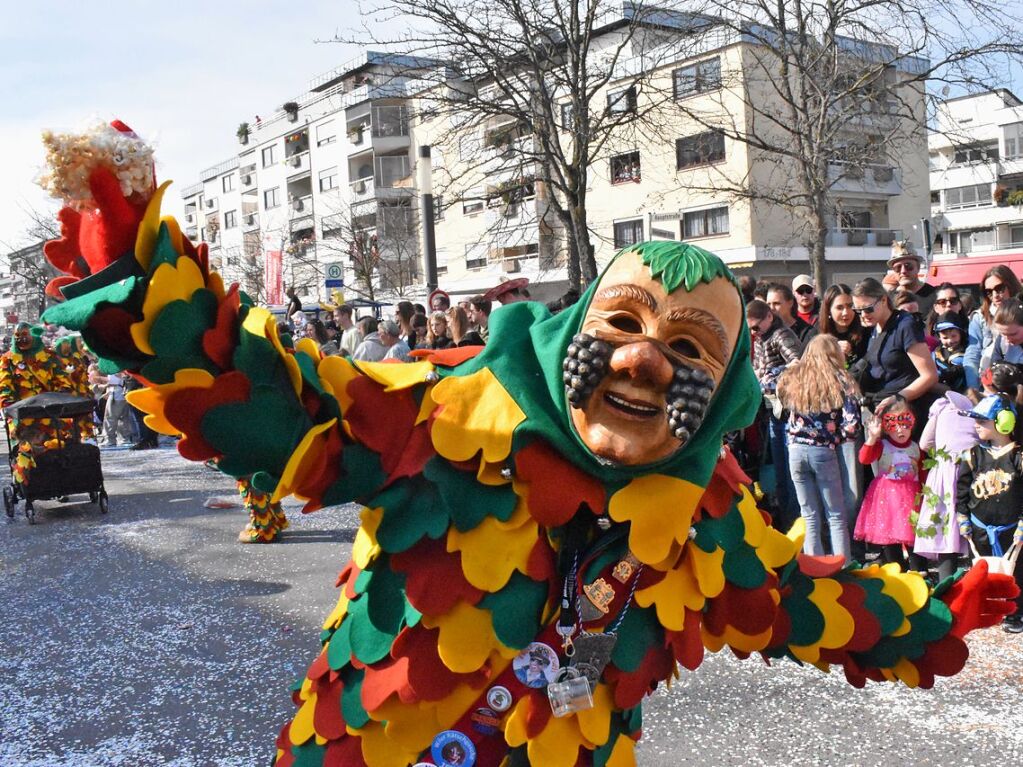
(690,314)
(635,292)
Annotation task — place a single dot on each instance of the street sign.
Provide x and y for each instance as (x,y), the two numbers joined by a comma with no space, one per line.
(335,271)
(334,283)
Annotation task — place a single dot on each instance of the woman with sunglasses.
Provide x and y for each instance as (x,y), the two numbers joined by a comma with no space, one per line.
(946,299)
(898,360)
(998,285)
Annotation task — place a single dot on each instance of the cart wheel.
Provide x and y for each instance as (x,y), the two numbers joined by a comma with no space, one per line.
(30,512)
(9,500)
(104,506)
(93,496)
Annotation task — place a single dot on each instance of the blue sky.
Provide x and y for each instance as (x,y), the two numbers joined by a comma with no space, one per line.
(182,73)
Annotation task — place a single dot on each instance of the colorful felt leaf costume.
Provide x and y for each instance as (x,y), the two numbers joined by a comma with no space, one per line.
(474,486)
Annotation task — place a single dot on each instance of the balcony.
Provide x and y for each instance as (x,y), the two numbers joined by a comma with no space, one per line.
(390,90)
(192,233)
(857,180)
(392,173)
(858,237)
(297,163)
(362,189)
(250,222)
(247,178)
(966,175)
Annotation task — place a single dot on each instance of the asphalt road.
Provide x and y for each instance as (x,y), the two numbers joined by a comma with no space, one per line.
(149,636)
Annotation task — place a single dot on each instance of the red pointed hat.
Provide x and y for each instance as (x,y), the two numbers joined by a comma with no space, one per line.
(497,292)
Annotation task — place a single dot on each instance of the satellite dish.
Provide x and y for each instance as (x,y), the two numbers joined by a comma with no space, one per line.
(945,91)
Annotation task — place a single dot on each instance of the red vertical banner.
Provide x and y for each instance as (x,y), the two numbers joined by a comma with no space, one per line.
(272,277)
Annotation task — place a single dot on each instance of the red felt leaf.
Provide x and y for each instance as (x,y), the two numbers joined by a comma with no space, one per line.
(946,657)
(630,688)
(428,564)
(427,676)
(750,611)
(541,563)
(349,582)
(64,253)
(220,341)
(328,720)
(724,485)
(382,421)
(185,409)
(283,744)
(866,626)
(556,488)
(319,667)
(449,357)
(384,679)
(325,471)
(980,599)
(53,286)
(687,644)
(346,752)
(822,566)
(417,451)
(113,325)
(539,713)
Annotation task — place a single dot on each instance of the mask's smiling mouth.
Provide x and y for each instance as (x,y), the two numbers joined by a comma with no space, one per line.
(631,407)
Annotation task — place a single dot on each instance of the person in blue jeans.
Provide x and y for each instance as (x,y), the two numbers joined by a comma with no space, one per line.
(823,404)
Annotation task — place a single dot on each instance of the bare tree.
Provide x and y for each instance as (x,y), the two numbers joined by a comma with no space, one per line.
(832,93)
(541,69)
(26,262)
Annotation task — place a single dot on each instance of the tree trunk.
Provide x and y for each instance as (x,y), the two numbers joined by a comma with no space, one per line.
(819,226)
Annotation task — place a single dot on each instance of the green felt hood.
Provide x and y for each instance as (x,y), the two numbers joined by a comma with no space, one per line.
(528,345)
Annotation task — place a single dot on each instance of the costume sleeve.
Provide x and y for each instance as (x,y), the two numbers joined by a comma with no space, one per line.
(216,372)
(8,395)
(963,484)
(870,453)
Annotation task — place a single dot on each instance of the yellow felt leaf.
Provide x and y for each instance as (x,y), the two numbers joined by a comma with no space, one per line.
(595,723)
(776,549)
(452,708)
(395,377)
(301,462)
(380,751)
(365,548)
(493,550)
(752,522)
(215,284)
(340,610)
(671,595)
(907,672)
(909,590)
(153,400)
(557,744)
(515,723)
(466,637)
(838,622)
(309,346)
(260,322)
(426,407)
(338,372)
(174,230)
(623,753)
(168,283)
(476,414)
(302,728)
(746,642)
(708,569)
(411,726)
(660,510)
(797,533)
(149,228)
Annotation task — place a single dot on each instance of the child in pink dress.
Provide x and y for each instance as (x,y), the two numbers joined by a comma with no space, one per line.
(892,495)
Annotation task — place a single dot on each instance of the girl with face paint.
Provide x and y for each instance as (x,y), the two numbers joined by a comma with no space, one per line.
(884,518)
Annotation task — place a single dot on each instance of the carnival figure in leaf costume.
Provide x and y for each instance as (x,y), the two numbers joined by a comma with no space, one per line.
(551,520)
(29,368)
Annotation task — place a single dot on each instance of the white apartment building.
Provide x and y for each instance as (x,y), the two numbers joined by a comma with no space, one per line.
(22,297)
(976,166)
(332,165)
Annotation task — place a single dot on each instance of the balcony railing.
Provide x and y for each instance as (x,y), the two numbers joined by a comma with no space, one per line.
(391,170)
(301,206)
(854,237)
(250,222)
(297,163)
(362,188)
(390,122)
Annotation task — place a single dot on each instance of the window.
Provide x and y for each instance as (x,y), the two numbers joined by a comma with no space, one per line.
(935,198)
(622,101)
(855,219)
(328,179)
(973,196)
(972,154)
(701,149)
(272,197)
(442,261)
(438,207)
(628,232)
(269,156)
(1013,141)
(625,168)
(705,223)
(1015,236)
(231,219)
(326,133)
(698,78)
(567,116)
(228,182)
(472,202)
(475,255)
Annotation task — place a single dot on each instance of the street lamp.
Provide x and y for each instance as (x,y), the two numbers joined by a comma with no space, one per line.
(424,179)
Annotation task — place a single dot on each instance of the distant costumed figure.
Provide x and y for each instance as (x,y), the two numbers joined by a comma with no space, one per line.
(551,522)
(72,357)
(29,368)
(266,517)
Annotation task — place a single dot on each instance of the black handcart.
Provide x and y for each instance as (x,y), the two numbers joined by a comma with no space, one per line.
(71,467)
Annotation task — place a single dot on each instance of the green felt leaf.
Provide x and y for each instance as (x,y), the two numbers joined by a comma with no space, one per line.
(264,482)
(638,633)
(412,510)
(517,757)
(727,531)
(412,615)
(258,435)
(517,610)
(308,754)
(163,252)
(386,596)
(632,718)
(339,651)
(743,567)
(75,313)
(259,360)
(307,366)
(881,606)
(806,619)
(603,752)
(467,500)
(362,475)
(176,337)
(369,644)
(362,581)
(351,697)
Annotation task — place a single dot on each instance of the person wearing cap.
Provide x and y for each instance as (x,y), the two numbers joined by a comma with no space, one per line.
(439,301)
(949,356)
(509,291)
(783,304)
(906,263)
(807,305)
(382,342)
(989,491)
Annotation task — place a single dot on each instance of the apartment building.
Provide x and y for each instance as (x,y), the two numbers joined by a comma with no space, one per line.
(22,296)
(329,168)
(678,181)
(976,176)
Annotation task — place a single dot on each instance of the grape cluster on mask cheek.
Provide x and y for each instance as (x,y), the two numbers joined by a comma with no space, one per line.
(588,361)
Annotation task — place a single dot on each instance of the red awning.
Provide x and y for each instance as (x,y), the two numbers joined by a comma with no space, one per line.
(969,270)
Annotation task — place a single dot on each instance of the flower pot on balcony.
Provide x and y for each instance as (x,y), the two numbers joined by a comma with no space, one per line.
(297,205)
(243,133)
(291,110)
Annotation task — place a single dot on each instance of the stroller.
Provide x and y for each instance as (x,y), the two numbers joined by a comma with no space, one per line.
(71,467)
